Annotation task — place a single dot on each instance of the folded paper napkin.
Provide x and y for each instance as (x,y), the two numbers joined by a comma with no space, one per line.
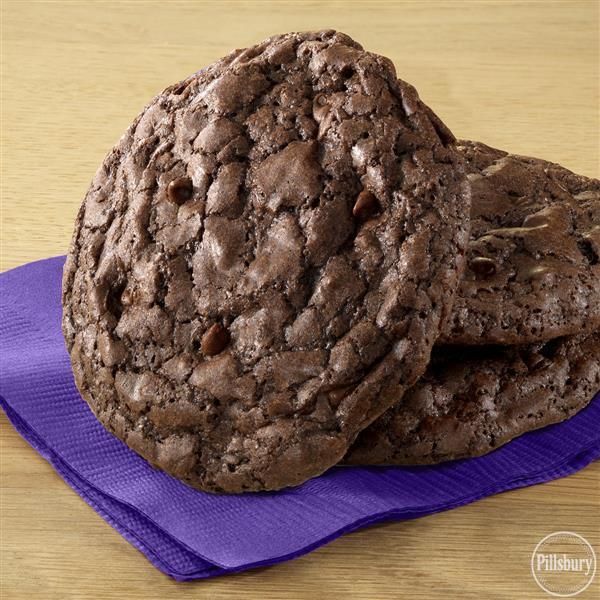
(190,534)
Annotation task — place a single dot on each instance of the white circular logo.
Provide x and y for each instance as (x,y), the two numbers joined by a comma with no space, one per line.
(563,564)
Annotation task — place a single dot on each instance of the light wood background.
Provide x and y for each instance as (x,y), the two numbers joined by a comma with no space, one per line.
(519,75)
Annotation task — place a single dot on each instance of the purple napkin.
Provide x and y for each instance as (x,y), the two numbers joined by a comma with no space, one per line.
(189,534)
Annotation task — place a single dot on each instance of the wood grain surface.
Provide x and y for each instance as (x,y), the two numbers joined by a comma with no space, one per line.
(518,75)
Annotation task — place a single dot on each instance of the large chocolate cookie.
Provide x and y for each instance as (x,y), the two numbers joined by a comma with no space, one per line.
(534,258)
(262,264)
(473,400)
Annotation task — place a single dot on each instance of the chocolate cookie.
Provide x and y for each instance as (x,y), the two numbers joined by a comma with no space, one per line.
(534,257)
(263,263)
(473,400)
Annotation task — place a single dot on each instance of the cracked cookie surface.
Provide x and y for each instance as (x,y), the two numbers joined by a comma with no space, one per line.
(473,400)
(263,263)
(533,269)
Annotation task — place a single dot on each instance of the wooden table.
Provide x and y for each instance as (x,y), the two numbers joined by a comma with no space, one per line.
(522,76)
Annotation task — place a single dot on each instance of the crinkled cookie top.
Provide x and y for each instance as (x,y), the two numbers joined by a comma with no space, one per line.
(533,269)
(262,264)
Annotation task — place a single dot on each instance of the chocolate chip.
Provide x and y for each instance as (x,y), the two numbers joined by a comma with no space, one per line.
(366,206)
(214,340)
(482,266)
(180,190)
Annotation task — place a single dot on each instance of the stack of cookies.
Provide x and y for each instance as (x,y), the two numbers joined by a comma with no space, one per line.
(288,262)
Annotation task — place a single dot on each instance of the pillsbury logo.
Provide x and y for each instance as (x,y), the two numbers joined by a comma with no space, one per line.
(563,564)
